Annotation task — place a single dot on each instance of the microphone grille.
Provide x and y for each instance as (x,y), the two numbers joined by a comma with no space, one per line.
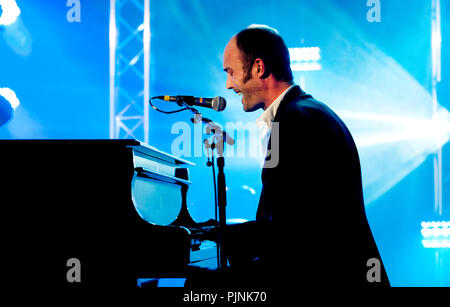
(219,104)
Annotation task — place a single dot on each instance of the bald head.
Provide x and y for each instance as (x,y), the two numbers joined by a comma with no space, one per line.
(265,43)
(257,71)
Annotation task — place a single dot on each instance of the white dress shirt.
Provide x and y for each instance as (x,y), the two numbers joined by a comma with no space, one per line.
(264,122)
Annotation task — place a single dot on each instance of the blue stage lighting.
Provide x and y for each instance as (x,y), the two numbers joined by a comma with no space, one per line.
(6,111)
(8,103)
(15,33)
(10,12)
(305,58)
(10,96)
(436,234)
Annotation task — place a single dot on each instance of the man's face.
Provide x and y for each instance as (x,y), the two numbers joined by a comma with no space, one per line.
(250,88)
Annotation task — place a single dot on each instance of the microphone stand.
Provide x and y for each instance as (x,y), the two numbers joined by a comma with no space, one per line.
(221,202)
(219,137)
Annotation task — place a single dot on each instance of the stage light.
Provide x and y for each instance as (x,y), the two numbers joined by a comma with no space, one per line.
(10,12)
(435,131)
(436,234)
(6,111)
(15,33)
(408,140)
(10,96)
(305,58)
(8,103)
(304,54)
(436,244)
(305,66)
(435,229)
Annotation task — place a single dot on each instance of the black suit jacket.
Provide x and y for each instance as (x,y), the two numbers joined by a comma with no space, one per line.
(311,220)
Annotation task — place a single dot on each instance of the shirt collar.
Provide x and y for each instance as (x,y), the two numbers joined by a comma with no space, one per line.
(268,115)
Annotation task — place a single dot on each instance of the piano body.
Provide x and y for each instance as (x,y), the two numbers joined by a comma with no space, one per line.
(118,206)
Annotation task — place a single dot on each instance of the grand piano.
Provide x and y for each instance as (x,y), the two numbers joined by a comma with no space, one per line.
(117,206)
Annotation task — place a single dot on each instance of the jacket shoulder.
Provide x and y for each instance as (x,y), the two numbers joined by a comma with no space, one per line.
(306,107)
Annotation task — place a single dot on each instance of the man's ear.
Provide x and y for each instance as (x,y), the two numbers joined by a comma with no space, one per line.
(260,68)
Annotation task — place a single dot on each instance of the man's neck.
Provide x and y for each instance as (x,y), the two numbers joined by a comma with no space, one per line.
(274,91)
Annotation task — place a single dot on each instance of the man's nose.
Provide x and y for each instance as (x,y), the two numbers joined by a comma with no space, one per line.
(229,83)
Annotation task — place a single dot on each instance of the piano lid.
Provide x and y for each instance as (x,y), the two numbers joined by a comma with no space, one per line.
(130,143)
(156,153)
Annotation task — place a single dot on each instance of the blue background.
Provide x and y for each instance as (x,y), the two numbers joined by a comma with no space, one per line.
(60,72)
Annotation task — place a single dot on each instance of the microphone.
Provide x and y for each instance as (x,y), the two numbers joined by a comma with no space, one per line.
(217,103)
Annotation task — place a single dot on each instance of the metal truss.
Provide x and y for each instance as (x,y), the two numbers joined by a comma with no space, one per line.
(435,79)
(129,41)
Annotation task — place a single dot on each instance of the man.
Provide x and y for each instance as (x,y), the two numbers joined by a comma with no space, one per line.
(310,223)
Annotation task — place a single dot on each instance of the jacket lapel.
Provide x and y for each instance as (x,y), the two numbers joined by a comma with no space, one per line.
(288,98)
